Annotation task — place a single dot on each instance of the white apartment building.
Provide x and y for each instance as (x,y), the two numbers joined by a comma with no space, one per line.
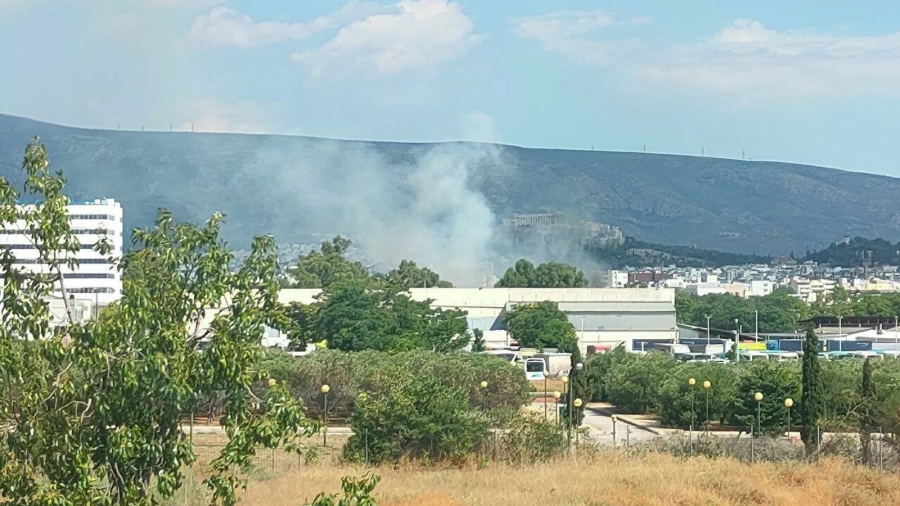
(760,288)
(95,281)
(811,290)
(617,279)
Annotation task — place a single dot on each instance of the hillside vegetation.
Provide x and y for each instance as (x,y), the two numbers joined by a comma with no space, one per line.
(265,183)
(857,252)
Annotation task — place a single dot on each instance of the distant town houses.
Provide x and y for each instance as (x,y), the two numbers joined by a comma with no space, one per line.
(808,281)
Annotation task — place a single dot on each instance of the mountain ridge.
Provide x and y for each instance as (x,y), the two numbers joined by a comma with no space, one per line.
(261,182)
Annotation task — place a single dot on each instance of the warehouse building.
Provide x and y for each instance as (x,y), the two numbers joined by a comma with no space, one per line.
(603,317)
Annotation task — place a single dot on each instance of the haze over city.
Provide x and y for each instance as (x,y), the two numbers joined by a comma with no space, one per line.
(807,82)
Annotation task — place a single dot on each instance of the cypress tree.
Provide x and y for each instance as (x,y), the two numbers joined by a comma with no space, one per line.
(867,418)
(813,396)
(580,388)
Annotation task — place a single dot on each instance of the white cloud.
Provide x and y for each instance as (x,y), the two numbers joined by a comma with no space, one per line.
(573,34)
(420,35)
(209,115)
(223,26)
(752,63)
(744,61)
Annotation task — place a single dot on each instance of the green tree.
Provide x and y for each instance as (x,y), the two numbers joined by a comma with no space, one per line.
(327,266)
(867,416)
(409,275)
(635,384)
(676,396)
(355,316)
(580,388)
(414,416)
(541,325)
(477,340)
(812,399)
(300,322)
(777,381)
(92,412)
(546,275)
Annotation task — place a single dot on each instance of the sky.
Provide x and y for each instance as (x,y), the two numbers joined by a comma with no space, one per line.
(804,81)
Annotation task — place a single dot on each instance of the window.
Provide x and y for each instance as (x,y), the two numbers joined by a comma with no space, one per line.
(104,261)
(95,231)
(78,275)
(90,290)
(92,217)
(31,246)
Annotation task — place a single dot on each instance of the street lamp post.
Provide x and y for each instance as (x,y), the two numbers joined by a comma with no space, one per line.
(691,383)
(840,333)
(706,385)
(546,373)
(484,385)
(756,328)
(576,404)
(707,333)
(614,420)
(759,397)
(737,340)
(325,389)
(789,403)
(556,395)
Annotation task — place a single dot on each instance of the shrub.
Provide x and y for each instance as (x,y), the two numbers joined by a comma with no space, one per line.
(350,374)
(776,381)
(417,417)
(530,439)
(635,383)
(675,394)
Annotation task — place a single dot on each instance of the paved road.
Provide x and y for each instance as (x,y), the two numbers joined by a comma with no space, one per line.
(601,428)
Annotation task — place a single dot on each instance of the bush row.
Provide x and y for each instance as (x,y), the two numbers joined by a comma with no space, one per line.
(350,374)
(655,382)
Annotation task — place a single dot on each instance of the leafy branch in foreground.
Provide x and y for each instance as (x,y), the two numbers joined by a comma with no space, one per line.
(91,413)
(357,492)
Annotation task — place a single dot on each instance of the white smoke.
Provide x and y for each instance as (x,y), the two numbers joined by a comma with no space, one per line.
(418,206)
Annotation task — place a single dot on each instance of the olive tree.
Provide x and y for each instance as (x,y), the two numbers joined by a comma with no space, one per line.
(90,413)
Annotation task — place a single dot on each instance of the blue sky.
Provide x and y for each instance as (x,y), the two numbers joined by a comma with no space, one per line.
(804,81)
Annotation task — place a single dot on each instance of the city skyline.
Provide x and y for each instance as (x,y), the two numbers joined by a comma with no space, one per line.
(806,83)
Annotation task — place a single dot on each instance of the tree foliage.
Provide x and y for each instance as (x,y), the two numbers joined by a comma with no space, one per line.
(867,419)
(812,404)
(409,275)
(541,325)
(777,312)
(547,275)
(328,265)
(91,412)
(355,316)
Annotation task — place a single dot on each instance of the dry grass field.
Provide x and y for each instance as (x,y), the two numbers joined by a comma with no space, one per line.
(613,479)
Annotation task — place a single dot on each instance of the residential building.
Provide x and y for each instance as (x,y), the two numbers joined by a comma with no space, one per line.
(94,281)
(617,279)
(761,288)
